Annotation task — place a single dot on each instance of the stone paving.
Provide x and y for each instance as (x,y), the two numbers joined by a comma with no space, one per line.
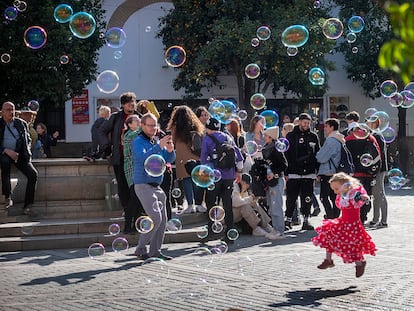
(254,274)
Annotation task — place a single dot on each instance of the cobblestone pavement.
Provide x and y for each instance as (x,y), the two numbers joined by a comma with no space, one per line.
(254,274)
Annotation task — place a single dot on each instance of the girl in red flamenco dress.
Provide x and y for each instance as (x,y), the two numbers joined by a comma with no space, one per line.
(346,236)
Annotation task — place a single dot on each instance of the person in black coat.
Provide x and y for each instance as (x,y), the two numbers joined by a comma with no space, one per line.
(15,148)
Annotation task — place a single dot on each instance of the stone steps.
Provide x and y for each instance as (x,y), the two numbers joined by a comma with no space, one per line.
(82,232)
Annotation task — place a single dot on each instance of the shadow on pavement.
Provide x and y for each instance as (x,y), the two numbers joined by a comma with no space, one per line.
(312,296)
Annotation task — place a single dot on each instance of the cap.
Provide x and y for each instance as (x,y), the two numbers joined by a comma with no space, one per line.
(246,178)
(305,116)
(213,124)
(272,132)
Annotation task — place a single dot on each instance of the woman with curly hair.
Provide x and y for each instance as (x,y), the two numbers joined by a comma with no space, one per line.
(187,132)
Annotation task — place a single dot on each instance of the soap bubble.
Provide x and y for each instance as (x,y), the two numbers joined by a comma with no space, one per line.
(21,6)
(107,81)
(252,71)
(348,191)
(216,213)
(33,105)
(351,37)
(355,49)
(63,13)
(382,117)
(6,58)
(396,100)
(216,109)
(332,28)
(175,56)
(174,225)
(64,59)
(394,175)
(217,175)
(154,165)
(10,13)
(369,112)
(388,88)
(255,42)
(82,25)
(295,36)
(356,24)
(144,224)
(408,99)
(216,227)
(202,232)
(316,4)
(120,244)
(388,135)
(176,193)
(271,118)
(282,144)
(147,28)
(292,51)
(258,101)
(114,229)
(366,160)
(202,175)
(242,114)
(27,229)
(96,250)
(157,206)
(118,54)
(229,110)
(35,37)
(263,33)
(251,147)
(115,37)
(316,76)
(409,87)
(361,131)
(233,234)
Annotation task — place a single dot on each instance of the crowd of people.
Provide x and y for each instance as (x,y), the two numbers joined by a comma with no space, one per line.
(252,188)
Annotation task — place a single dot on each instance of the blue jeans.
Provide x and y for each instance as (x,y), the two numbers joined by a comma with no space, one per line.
(188,190)
(274,197)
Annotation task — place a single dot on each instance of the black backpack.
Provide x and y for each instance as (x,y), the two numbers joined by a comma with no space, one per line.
(224,155)
(361,147)
(258,174)
(346,164)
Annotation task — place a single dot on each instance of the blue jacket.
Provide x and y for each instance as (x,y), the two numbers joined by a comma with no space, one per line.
(330,152)
(142,148)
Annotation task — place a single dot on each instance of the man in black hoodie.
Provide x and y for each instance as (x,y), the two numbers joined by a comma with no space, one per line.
(301,171)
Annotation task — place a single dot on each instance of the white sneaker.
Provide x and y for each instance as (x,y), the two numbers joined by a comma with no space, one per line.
(269,229)
(8,202)
(201,208)
(259,231)
(190,209)
(274,236)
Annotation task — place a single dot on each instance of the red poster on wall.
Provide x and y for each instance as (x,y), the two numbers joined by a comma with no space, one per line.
(80,108)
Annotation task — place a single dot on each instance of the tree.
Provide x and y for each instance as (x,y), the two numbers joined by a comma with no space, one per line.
(364,67)
(216,35)
(37,73)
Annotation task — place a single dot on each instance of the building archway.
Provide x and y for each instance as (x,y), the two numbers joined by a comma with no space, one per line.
(126,9)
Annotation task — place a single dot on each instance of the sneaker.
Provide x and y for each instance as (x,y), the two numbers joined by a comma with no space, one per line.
(190,209)
(274,236)
(307,226)
(259,231)
(381,225)
(171,227)
(326,264)
(360,269)
(29,212)
(288,225)
(372,224)
(8,202)
(316,211)
(163,256)
(201,208)
(269,229)
(296,222)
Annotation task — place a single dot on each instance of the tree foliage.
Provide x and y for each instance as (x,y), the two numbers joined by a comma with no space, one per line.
(216,35)
(38,73)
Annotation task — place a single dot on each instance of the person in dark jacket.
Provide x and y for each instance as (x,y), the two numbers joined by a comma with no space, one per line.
(276,166)
(302,168)
(110,136)
(46,139)
(15,149)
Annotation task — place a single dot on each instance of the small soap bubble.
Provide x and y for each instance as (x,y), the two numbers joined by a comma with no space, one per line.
(271,117)
(175,56)
(308,199)
(154,165)
(202,176)
(282,144)
(114,229)
(82,25)
(202,232)
(157,206)
(316,76)
(292,51)
(5,58)
(64,59)
(252,71)
(96,250)
(351,37)
(118,54)
(233,234)
(217,175)
(355,49)
(217,227)
(176,193)
(216,213)
(33,105)
(35,37)
(27,229)
(120,244)
(356,24)
(251,147)
(174,225)
(107,81)
(332,28)
(147,28)
(258,101)
(10,13)
(255,42)
(263,33)
(144,224)
(242,114)
(115,37)
(295,36)
(63,13)
(366,159)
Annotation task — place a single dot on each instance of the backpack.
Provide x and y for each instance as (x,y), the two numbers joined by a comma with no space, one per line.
(366,146)
(346,164)
(224,155)
(258,174)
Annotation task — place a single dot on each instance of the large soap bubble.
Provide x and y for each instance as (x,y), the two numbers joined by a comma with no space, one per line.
(107,81)
(251,147)
(295,36)
(316,76)
(252,71)
(229,111)
(203,175)
(258,101)
(154,165)
(35,37)
(175,56)
(388,88)
(332,28)
(382,117)
(63,13)
(271,117)
(82,25)
(356,24)
(216,109)
(115,37)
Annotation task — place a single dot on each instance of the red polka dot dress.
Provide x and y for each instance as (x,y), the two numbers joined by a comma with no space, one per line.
(346,236)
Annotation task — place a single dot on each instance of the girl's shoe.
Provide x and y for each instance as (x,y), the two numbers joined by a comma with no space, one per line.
(326,264)
(190,209)
(360,269)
